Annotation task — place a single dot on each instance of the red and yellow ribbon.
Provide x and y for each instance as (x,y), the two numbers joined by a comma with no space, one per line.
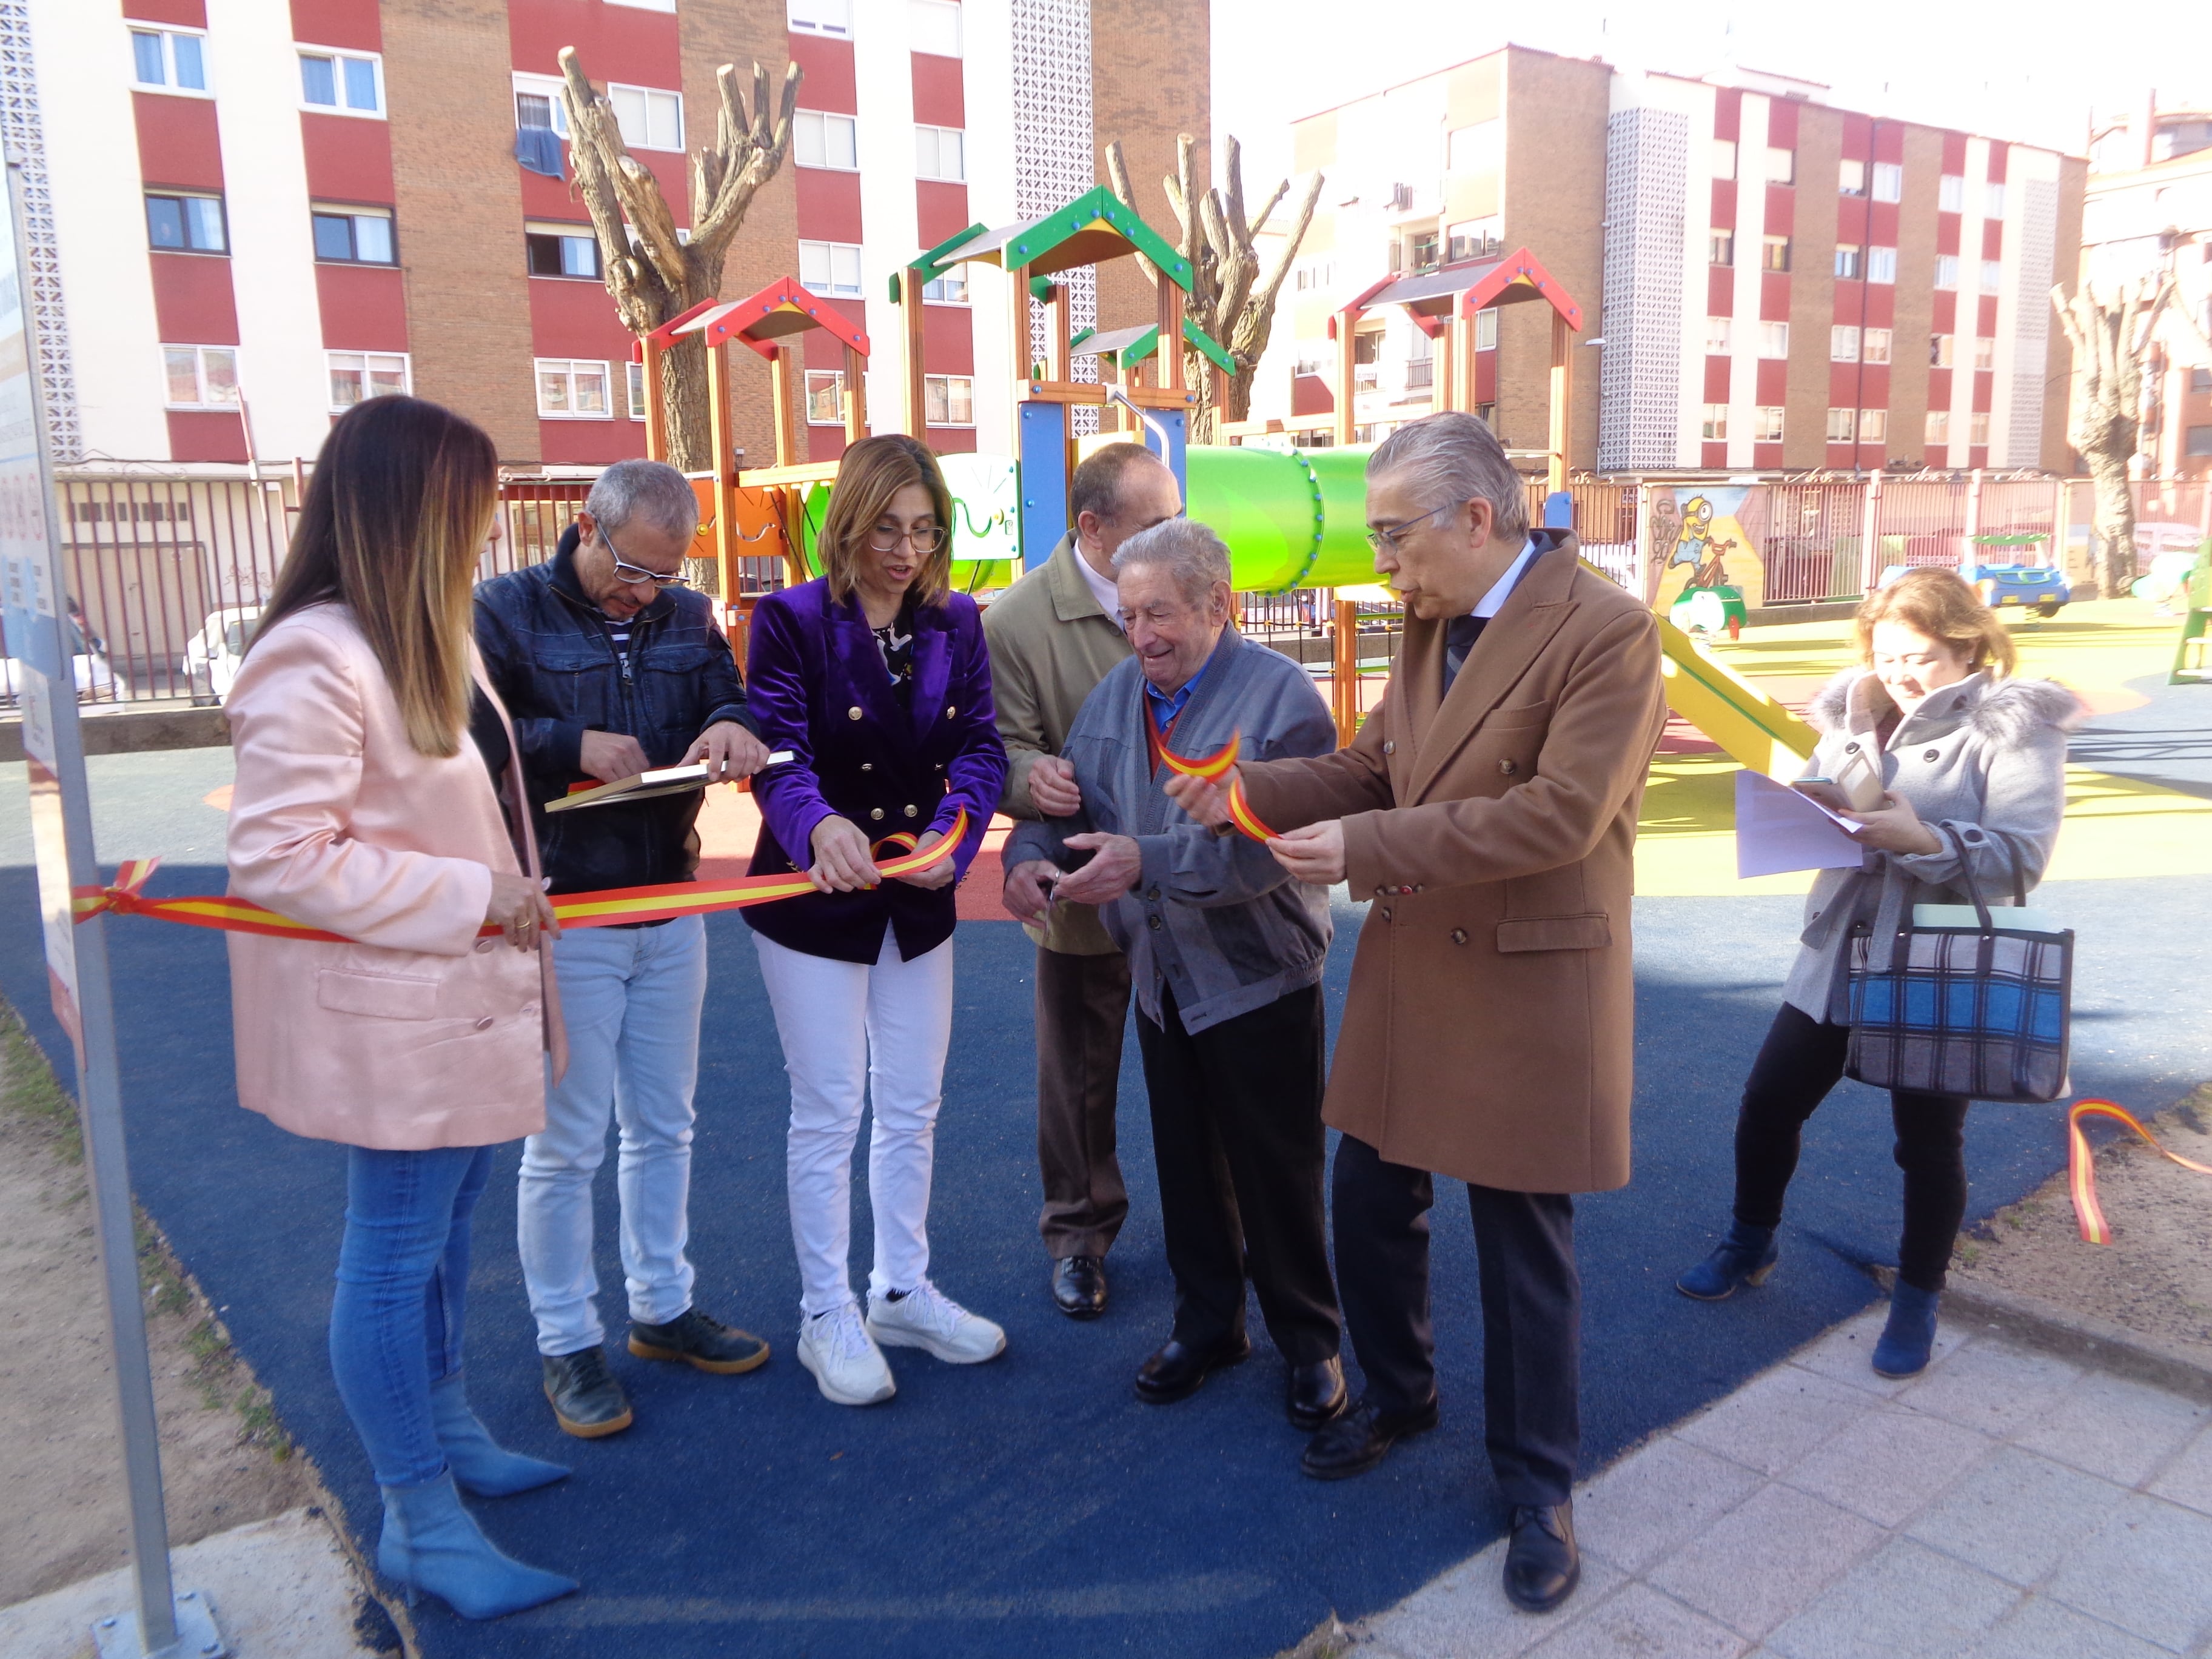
(125,896)
(2082,1164)
(1212,768)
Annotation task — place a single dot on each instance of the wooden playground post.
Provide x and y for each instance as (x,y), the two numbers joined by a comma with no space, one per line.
(725,481)
(1024,357)
(1346,425)
(915,413)
(1344,673)
(856,396)
(656,413)
(1562,385)
(786,391)
(1059,355)
(1170,347)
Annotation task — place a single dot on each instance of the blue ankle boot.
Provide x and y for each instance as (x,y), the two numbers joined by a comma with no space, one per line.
(1746,1256)
(431,1543)
(1909,1335)
(480,1464)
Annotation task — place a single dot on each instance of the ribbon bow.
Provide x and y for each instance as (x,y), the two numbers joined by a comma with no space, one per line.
(2082,1164)
(1212,768)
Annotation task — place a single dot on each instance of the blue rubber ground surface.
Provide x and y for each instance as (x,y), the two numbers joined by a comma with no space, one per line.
(1032,1505)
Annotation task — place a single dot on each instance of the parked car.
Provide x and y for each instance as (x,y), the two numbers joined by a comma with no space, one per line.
(95,677)
(212,657)
(2037,584)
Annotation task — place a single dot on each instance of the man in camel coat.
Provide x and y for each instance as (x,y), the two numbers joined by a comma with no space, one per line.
(1488,813)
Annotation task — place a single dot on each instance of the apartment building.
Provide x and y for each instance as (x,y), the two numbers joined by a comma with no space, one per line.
(1778,283)
(248,216)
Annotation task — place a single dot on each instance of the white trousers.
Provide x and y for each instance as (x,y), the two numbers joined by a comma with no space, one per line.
(855,1031)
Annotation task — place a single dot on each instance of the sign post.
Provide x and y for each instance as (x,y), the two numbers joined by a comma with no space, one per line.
(42,639)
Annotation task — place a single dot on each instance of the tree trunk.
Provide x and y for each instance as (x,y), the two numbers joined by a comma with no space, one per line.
(2112,527)
(2108,337)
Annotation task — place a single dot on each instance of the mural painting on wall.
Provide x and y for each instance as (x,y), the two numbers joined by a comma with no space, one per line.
(1705,554)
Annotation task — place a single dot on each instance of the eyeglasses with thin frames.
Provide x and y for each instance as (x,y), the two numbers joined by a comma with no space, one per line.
(636,575)
(1387,536)
(883,538)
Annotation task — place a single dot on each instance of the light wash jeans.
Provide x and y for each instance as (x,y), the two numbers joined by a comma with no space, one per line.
(857,1033)
(631,999)
(402,1297)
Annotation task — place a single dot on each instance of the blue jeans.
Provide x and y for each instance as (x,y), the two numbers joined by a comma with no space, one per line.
(630,998)
(402,1297)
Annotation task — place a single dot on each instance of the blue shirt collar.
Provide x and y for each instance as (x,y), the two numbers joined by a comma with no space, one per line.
(1502,590)
(1163,706)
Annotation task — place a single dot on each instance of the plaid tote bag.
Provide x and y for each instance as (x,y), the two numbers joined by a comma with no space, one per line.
(1968,1004)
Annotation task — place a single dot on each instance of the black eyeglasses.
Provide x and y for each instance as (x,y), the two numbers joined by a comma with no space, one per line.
(883,538)
(1386,536)
(636,575)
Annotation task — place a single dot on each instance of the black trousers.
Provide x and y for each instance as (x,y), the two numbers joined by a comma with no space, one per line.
(1238,1138)
(1800,1062)
(1531,1312)
(1082,1003)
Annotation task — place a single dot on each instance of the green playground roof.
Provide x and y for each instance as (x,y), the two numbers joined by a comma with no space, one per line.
(1096,227)
(1133,346)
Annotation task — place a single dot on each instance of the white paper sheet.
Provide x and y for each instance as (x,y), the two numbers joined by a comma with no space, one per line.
(1778,829)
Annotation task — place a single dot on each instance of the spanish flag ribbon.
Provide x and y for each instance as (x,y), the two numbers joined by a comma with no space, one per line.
(2081,1165)
(126,897)
(1212,768)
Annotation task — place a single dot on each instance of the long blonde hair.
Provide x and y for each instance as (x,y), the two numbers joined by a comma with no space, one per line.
(873,472)
(1939,603)
(401,501)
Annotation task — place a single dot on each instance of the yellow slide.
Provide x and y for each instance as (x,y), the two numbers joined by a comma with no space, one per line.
(1756,731)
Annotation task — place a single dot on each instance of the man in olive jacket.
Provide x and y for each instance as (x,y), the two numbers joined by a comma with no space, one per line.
(1487,813)
(1052,636)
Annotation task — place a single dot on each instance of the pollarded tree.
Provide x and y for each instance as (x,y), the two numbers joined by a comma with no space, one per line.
(1228,297)
(2109,337)
(652,273)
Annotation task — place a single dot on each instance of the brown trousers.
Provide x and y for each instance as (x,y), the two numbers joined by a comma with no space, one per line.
(1081,1005)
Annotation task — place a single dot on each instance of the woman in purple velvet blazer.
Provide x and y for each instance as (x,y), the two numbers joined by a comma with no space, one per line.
(876,679)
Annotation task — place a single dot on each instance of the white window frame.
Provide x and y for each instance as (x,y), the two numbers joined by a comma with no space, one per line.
(646,5)
(1844,343)
(824,255)
(1876,346)
(927,22)
(565,229)
(1851,178)
(1888,181)
(167,34)
(1938,428)
(567,367)
(1942,351)
(1715,427)
(1882,264)
(1486,328)
(1946,275)
(337,55)
(1977,429)
(635,379)
(930,381)
(1714,238)
(648,94)
(547,87)
(1720,336)
(347,210)
(1768,244)
(929,149)
(812,128)
(1774,341)
(334,361)
(1857,255)
(1767,422)
(1951,193)
(1993,200)
(949,290)
(815,17)
(1985,352)
(200,376)
(1873,426)
(831,381)
(1784,170)
(1724,159)
(1992,276)
(1843,426)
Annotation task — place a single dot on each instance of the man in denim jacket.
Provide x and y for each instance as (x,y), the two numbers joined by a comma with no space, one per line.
(610,666)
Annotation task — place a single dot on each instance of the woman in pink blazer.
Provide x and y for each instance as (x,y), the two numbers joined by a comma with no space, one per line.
(377,799)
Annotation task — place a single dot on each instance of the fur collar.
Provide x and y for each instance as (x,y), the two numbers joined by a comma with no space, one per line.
(2004,713)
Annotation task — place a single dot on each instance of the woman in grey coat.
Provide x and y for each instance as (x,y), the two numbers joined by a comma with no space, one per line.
(1974,764)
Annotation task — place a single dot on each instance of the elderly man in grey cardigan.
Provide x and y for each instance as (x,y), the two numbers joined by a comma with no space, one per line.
(1225,954)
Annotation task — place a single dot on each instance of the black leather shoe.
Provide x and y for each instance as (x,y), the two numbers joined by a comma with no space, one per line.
(1542,1566)
(1078,1287)
(1317,1394)
(1358,1439)
(1176,1371)
(701,1341)
(588,1401)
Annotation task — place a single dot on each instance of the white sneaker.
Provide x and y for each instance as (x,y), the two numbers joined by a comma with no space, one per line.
(844,1358)
(926,1318)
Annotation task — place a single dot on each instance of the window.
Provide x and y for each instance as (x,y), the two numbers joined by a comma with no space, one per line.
(2200,380)
(1774,339)
(1313,274)
(1993,200)
(553,251)
(355,235)
(1716,425)
(940,153)
(1882,264)
(1939,350)
(949,399)
(351,83)
(190,224)
(933,27)
(1950,194)
(1781,166)
(1939,427)
(820,16)
(1992,276)
(358,375)
(830,267)
(1720,247)
(819,139)
(1842,344)
(949,290)
(1848,265)
(636,378)
(1480,148)
(1766,425)
(1985,354)
(1774,253)
(1486,328)
(168,58)
(1843,426)
(1873,426)
(1720,333)
(649,118)
(537,103)
(1978,428)
(571,391)
(825,396)
(201,377)
(1723,158)
(1876,347)
(1474,239)
(1888,181)
(1947,270)
(1851,179)
(2198,442)
(1423,255)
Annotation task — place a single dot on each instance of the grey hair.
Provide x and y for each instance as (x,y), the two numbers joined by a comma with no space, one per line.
(653,490)
(1453,458)
(1189,550)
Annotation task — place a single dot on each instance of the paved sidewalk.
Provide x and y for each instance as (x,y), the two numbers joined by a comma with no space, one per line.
(2004,1505)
